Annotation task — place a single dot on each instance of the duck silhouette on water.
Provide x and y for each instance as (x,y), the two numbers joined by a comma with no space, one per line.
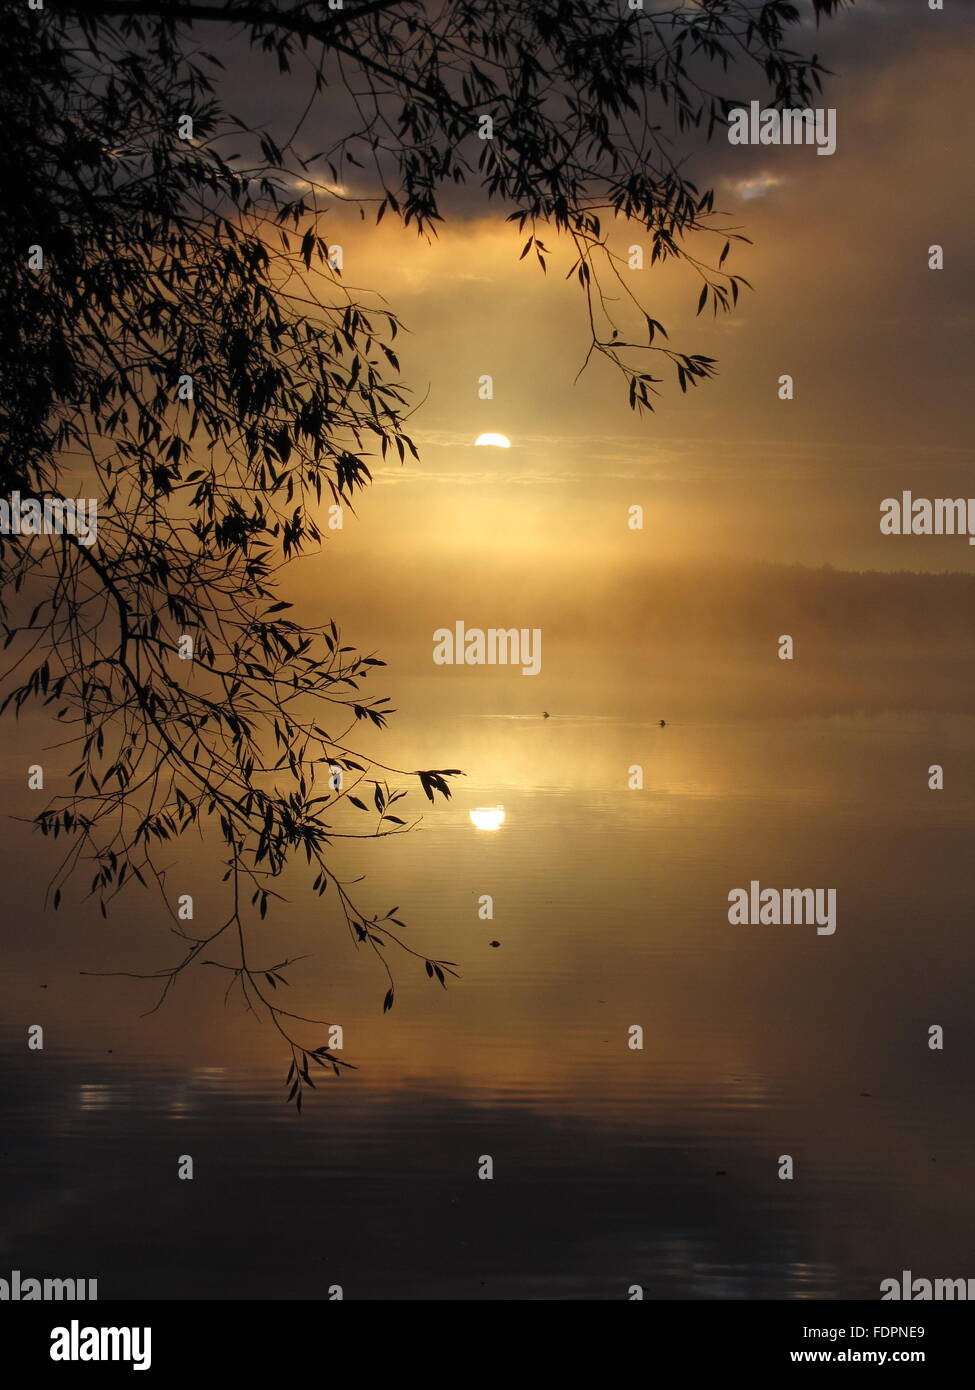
(663,723)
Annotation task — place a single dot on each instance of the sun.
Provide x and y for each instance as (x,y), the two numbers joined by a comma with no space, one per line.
(487,817)
(494,441)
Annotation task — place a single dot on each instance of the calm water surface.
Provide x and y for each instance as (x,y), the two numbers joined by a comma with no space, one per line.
(612,1166)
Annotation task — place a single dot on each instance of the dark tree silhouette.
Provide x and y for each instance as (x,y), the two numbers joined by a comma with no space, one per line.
(177,345)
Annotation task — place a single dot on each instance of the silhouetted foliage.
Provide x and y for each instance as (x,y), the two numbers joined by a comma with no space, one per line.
(168,258)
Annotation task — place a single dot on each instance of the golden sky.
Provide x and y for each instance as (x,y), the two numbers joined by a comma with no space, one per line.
(843,301)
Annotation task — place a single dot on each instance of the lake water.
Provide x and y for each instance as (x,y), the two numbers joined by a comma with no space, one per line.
(612,1166)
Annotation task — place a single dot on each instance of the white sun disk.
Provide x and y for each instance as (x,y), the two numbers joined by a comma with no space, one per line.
(494,441)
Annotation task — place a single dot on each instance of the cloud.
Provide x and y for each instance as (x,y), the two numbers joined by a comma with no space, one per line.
(755,187)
